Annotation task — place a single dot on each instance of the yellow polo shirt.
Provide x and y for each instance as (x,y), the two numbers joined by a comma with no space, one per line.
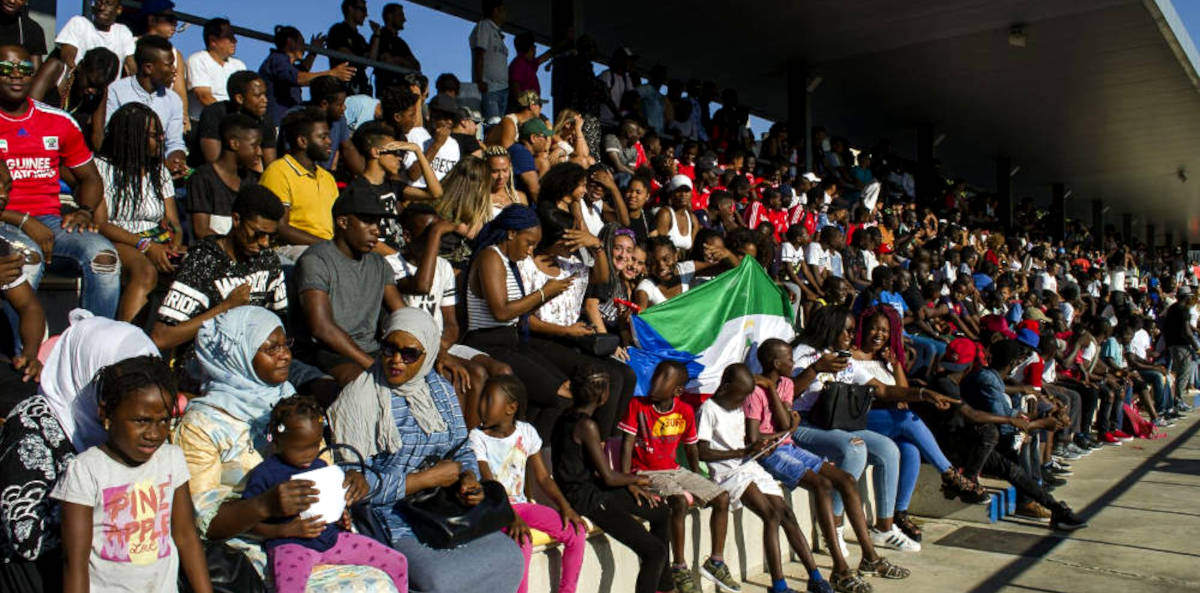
(309,194)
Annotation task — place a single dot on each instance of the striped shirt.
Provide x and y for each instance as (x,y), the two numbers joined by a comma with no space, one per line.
(479,314)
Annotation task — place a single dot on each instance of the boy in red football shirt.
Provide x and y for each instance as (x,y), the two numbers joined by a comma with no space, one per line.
(654,427)
(35,141)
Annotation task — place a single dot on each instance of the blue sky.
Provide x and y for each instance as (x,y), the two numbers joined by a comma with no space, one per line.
(437,39)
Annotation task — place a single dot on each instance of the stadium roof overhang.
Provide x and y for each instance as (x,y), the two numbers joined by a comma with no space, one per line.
(1103,96)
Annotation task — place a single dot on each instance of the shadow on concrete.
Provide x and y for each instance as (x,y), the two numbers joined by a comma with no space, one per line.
(1146,510)
(1032,551)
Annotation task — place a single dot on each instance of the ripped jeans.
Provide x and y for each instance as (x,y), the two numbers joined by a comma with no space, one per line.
(75,253)
(852,458)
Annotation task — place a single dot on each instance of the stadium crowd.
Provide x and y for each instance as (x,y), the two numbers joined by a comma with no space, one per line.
(439,283)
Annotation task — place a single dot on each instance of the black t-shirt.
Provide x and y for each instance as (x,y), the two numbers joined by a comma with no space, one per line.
(25,32)
(207,193)
(1175,324)
(343,36)
(943,421)
(467,143)
(391,44)
(210,126)
(208,275)
(389,194)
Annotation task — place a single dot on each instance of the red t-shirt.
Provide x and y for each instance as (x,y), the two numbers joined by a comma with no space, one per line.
(658,433)
(34,145)
(700,199)
(689,170)
(799,215)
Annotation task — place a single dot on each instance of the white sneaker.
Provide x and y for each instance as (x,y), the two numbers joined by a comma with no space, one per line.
(894,539)
(840,535)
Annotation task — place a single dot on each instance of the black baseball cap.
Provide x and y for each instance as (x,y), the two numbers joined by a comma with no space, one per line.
(359,201)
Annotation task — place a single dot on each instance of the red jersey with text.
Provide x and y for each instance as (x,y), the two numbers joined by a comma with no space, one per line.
(658,433)
(33,146)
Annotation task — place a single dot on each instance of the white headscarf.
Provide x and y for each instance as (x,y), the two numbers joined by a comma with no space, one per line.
(369,397)
(88,345)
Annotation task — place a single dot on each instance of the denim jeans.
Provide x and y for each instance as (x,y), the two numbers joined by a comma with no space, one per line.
(1158,383)
(880,451)
(926,348)
(914,440)
(74,254)
(494,103)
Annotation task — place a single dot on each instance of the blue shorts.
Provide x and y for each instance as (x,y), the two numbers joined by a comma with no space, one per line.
(788,464)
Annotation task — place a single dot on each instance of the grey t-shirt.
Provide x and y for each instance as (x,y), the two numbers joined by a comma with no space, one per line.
(132,547)
(355,288)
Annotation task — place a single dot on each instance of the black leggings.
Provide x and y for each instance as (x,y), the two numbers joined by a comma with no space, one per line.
(618,516)
(621,382)
(531,363)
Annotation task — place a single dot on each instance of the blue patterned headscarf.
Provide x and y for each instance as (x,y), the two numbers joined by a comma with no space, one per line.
(225,349)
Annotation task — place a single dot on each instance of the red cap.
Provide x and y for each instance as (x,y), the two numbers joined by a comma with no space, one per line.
(960,354)
(1030,325)
(996,323)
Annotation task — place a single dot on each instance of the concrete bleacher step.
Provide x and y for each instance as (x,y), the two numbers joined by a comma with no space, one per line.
(610,567)
(928,501)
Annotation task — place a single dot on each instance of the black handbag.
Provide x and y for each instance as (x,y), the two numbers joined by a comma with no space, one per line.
(228,569)
(361,513)
(439,520)
(599,345)
(842,406)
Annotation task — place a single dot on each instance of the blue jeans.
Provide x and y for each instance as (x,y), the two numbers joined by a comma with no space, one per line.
(914,441)
(495,102)
(1158,383)
(852,458)
(926,348)
(74,253)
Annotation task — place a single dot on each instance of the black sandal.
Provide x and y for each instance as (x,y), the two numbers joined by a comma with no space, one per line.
(849,582)
(907,526)
(882,568)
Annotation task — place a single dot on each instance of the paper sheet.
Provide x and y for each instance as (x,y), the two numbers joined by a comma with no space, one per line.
(332,500)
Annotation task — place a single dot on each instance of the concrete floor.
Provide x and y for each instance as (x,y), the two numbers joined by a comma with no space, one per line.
(1142,500)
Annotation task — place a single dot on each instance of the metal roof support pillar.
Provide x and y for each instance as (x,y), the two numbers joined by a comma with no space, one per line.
(1004,192)
(799,109)
(928,191)
(1127,227)
(1150,235)
(1097,224)
(564,14)
(1058,210)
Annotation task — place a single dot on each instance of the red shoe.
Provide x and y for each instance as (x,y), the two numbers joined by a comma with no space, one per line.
(1122,435)
(1110,439)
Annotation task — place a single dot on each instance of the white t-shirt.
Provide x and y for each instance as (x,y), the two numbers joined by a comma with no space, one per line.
(81,33)
(447,156)
(148,211)
(132,548)
(1140,344)
(1045,281)
(816,255)
(593,215)
(487,36)
(804,356)
(791,255)
(506,457)
(1116,278)
(204,71)
(418,136)
(442,293)
(686,270)
(565,308)
(725,430)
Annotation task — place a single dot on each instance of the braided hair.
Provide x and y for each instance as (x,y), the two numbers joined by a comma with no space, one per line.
(117,381)
(126,150)
(303,406)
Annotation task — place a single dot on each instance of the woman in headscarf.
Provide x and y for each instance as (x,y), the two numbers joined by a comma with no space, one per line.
(397,415)
(244,355)
(499,304)
(43,433)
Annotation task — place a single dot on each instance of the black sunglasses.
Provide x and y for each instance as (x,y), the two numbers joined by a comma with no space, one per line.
(408,354)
